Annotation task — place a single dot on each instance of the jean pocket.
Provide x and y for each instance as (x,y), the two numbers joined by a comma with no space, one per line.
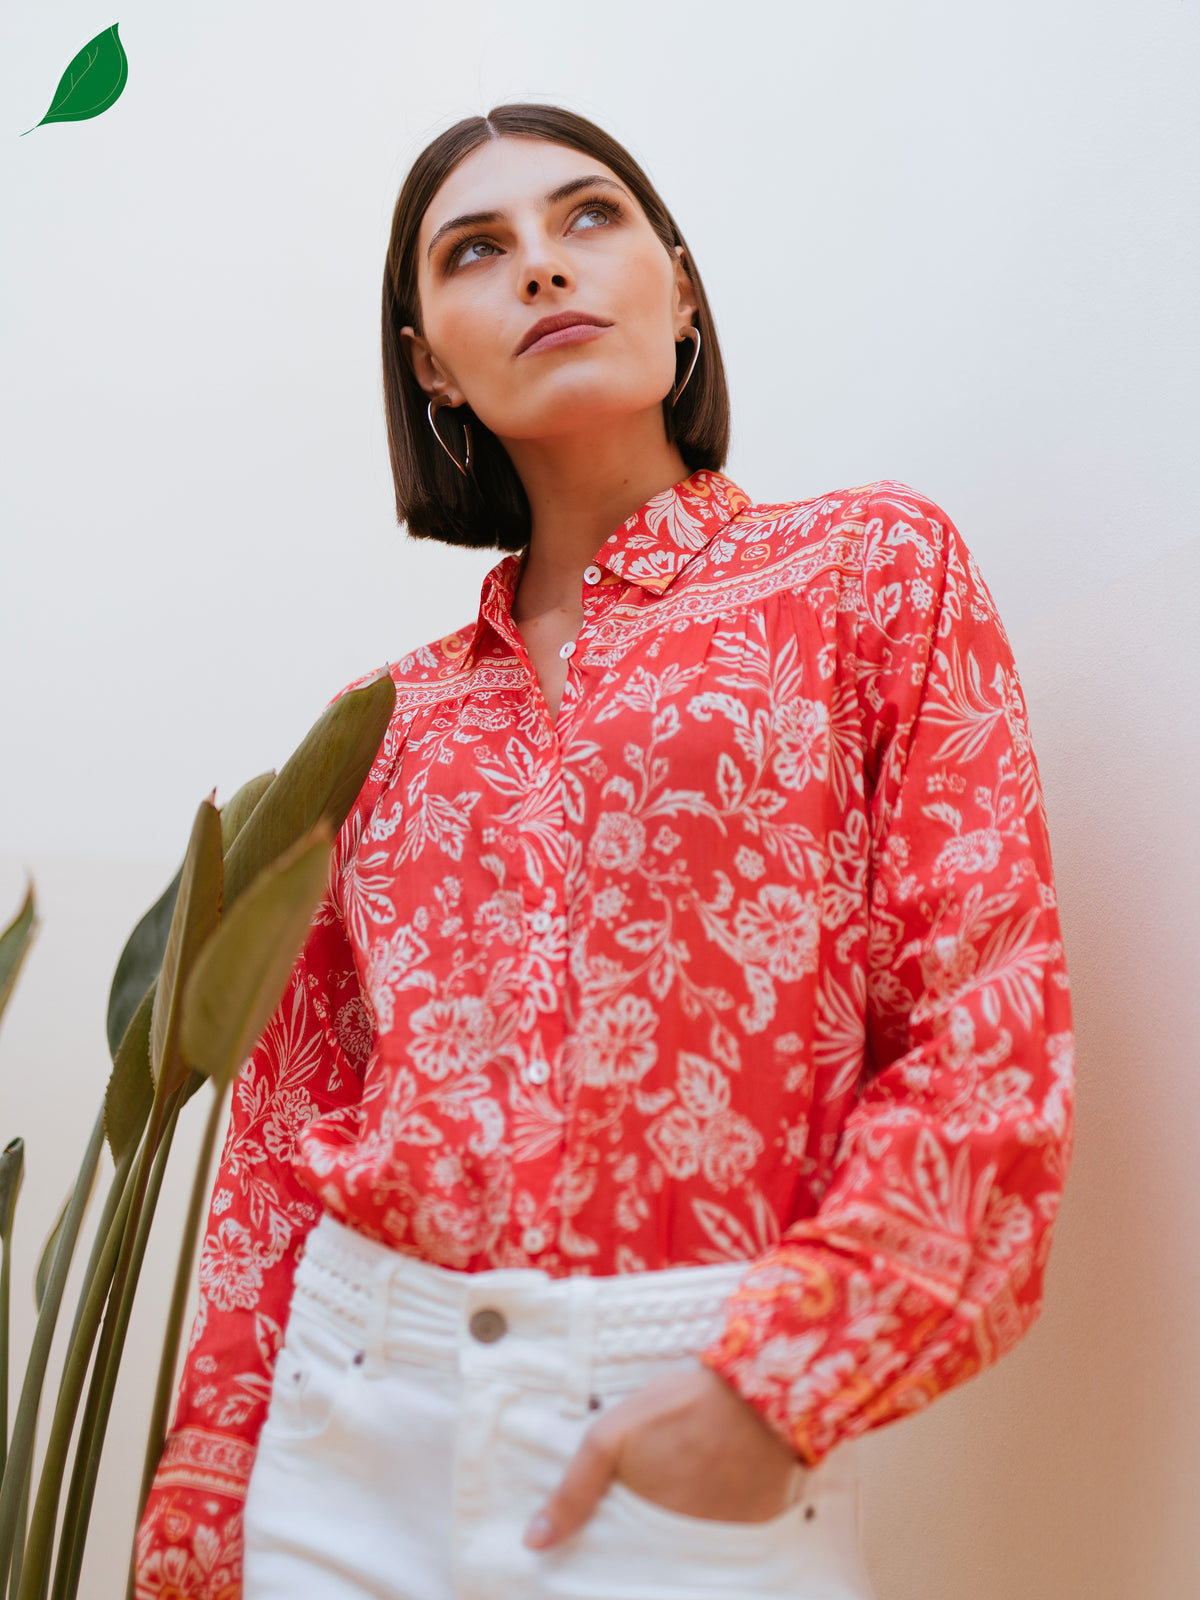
(740,1537)
(312,1372)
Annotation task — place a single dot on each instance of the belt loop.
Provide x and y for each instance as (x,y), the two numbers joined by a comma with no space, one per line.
(374,1365)
(581,1329)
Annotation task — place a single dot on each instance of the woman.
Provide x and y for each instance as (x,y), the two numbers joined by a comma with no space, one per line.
(676,1081)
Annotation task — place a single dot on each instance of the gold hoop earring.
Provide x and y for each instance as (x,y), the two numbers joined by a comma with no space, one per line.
(693,334)
(463,467)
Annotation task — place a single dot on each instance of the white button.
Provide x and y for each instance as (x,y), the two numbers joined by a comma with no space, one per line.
(591,575)
(533,1240)
(541,921)
(568,650)
(537,1072)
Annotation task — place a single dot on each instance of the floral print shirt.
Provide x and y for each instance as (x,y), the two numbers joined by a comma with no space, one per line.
(750,953)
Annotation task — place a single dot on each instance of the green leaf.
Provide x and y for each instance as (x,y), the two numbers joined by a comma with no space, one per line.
(92,82)
(320,781)
(235,813)
(14,946)
(130,1091)
(240,975)
(140,963)
(195,918)
(12,1172)
(141,959)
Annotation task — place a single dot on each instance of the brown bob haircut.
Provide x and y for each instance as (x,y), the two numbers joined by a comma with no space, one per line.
(487,508)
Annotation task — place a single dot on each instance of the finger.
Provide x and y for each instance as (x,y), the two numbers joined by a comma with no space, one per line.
(587,1477)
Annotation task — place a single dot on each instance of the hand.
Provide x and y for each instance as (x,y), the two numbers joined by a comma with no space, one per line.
(687,1441)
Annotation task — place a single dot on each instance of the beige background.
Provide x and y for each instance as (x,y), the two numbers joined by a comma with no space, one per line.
(948,243)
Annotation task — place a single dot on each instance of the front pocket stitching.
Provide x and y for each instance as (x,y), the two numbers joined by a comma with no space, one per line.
(297,1431)
(711,1527)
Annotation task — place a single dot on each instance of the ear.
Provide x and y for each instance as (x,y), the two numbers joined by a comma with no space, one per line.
(685,296)
(427,369)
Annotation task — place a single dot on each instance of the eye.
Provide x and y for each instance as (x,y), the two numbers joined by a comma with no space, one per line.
(595,214)
(473,250)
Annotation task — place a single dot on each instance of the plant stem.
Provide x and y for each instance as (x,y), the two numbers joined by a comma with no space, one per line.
(5,1273)
(179,1294)
(117,1187)
(20,1454)
(145,1151)
(104,1381)
(75,1365)
(18,1552)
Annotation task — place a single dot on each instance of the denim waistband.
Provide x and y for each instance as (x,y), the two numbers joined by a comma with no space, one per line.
(583,1334)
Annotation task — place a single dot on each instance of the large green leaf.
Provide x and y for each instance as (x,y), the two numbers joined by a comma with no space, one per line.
(241,973)
(142,956)
(92,82)
(236,812)
(139,965)
(320,781)
(130,1091)
(12,1171)
(197,913)
(14,945)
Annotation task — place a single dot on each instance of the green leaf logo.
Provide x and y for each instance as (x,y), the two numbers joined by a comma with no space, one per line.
(91,83)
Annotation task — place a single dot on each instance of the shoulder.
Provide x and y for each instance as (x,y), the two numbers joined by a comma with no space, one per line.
(425,674)
(865,514)
(422,677)
(848,544)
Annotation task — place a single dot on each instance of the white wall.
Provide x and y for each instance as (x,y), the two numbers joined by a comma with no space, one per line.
(946,242)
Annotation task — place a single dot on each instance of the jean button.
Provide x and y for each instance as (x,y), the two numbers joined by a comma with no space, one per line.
(488,1325)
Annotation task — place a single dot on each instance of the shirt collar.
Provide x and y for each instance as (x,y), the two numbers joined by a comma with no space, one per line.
(652,547)
(649,549)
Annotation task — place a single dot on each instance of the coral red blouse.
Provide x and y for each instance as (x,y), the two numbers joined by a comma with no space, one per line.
(750,954)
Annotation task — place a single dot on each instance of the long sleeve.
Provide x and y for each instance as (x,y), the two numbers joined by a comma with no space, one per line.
(307,1064)
(924,1260)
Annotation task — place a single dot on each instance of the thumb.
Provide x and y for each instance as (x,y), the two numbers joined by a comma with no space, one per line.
(587,1476)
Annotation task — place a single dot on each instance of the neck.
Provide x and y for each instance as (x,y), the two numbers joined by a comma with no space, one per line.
(581,487)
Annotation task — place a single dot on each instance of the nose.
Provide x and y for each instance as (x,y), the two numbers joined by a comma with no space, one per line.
(543,267)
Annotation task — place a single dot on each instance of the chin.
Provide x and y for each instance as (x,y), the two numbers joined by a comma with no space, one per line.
(575,408)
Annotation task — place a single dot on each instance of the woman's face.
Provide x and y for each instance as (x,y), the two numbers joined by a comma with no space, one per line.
(524,231)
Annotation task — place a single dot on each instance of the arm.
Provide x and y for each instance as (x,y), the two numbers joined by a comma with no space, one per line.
(304,1066)
(924,1262)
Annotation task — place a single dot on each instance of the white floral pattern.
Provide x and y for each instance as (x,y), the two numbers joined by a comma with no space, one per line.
(750,954)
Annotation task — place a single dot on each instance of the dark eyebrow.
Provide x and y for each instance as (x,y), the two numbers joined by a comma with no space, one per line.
(479,219)
(566,190)
(469,219)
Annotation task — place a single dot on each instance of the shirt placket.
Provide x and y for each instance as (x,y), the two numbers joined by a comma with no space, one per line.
(600,592)
(547,914)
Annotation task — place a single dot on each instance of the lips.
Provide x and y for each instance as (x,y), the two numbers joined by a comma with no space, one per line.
(560,322)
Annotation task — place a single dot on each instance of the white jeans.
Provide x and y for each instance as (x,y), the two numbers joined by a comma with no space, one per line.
(420,1416)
